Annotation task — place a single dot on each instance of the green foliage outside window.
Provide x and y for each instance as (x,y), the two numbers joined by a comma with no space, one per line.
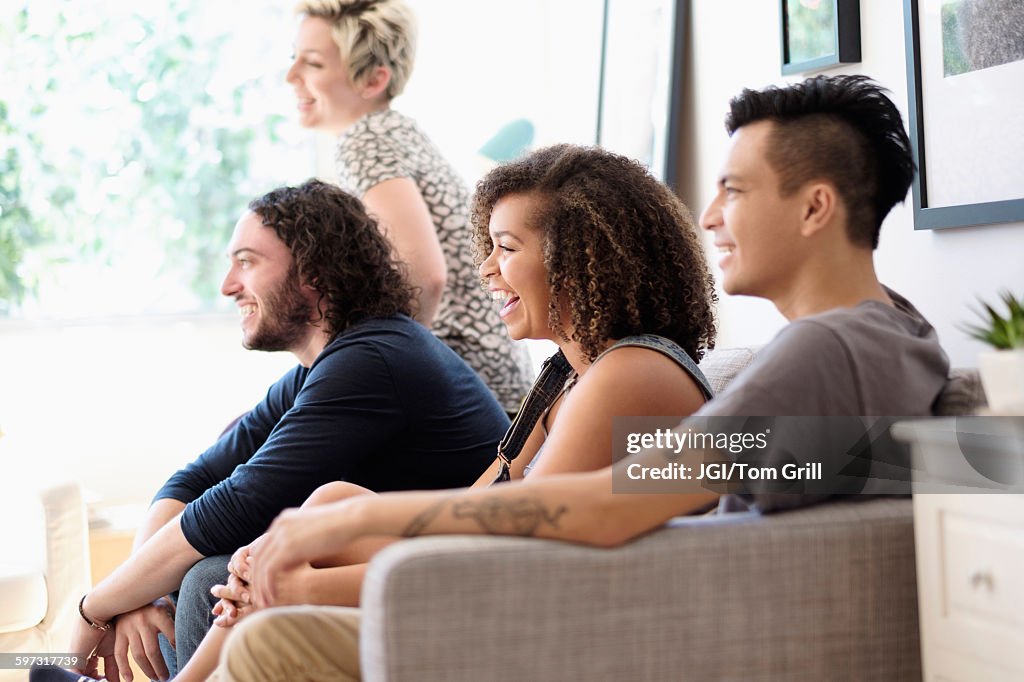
(129,136)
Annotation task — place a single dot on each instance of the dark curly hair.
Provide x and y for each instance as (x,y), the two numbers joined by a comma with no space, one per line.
(619,247)
(842,128)
(339,251)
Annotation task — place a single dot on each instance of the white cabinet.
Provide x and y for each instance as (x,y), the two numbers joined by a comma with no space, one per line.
(970,562)
(970,578)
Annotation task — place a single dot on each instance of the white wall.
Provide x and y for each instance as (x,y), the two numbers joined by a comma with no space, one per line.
(144,398)
(119,405)
(735,44)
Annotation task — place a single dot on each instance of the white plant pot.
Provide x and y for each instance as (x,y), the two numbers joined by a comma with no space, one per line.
(1002,375)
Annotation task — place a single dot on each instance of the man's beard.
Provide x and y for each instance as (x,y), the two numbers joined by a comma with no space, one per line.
(284,318)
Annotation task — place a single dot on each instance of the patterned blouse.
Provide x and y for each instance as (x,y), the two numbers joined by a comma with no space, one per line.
(386,144)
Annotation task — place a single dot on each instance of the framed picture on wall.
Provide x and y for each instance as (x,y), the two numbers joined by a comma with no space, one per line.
(817,34)
(640,91)
(965,70)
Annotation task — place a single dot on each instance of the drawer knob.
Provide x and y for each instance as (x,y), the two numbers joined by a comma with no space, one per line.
(982,578)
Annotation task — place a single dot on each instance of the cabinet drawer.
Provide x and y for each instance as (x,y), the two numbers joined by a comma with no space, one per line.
(970,551)
(983,559)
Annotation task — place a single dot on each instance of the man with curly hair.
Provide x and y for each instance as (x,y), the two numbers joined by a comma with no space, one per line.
(375,400)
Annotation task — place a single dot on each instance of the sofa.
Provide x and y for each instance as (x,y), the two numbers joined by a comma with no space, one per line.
(822,593)
(45,570)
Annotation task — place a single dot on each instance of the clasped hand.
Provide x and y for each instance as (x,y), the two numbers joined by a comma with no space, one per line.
(238,598)
(235,597)
(135,630)
(275,568)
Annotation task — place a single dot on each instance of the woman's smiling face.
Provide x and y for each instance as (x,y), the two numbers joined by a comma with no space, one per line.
(515,270)
(326,98)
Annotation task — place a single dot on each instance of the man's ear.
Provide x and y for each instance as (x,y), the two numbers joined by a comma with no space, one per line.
(820,206)
(376,82)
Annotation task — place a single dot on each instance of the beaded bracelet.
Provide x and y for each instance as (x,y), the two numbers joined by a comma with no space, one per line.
(89,620)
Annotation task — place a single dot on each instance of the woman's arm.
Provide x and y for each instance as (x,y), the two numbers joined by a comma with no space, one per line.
(573,507)
(627,382)
(405,220)
(204,660)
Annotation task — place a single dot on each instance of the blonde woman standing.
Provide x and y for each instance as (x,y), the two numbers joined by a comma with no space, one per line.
(351,59)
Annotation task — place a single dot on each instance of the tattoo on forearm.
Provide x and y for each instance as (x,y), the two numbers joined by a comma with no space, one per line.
(521,517)
(515,517)
(424,518)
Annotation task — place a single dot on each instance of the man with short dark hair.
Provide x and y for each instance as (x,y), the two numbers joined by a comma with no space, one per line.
(376,400)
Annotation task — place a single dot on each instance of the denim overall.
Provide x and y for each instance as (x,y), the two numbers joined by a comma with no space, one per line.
(549,385)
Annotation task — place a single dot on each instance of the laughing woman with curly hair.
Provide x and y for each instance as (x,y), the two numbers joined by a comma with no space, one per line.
(584,248)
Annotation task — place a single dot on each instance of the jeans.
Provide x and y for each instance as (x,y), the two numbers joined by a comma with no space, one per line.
(192,618)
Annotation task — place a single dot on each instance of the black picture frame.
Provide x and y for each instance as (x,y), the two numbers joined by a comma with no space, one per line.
(928,217)
(619,52)
(845,38)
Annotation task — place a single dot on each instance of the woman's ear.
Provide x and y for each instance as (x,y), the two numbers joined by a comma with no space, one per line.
(376,82)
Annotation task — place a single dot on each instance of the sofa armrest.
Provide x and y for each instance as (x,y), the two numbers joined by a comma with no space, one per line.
(49,538)
(67,560)
(800,595)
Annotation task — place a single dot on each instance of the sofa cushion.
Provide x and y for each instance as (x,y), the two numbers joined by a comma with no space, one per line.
(23,595)
(963,394)
(821,593)
(721,365)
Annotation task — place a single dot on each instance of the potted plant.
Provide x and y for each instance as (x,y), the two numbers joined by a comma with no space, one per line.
(1002,369)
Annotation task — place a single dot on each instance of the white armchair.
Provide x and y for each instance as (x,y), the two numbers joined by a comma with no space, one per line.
(44,569)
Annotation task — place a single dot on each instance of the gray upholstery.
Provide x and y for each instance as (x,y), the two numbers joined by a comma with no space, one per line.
(721,365)
(962,395)
(821,593)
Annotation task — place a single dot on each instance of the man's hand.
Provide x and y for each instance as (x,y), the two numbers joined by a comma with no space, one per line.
(138,631)
(235,598)
(95,644)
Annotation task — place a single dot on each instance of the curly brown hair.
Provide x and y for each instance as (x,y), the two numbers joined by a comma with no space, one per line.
(619,247)
(339,251)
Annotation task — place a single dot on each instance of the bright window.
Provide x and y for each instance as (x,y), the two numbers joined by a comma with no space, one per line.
(132,135)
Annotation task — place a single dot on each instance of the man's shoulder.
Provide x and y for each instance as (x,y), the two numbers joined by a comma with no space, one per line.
(370,354)
(398,341)
(842,361)
(867,323)
(900,316)
(838,320)
(386,332)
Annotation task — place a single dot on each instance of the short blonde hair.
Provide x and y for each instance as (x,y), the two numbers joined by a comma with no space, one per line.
(370,33)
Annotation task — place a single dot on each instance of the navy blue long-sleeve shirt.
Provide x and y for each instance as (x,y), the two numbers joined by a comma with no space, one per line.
(386,405)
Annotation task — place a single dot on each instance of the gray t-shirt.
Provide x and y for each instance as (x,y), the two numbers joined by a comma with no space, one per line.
(871,359)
